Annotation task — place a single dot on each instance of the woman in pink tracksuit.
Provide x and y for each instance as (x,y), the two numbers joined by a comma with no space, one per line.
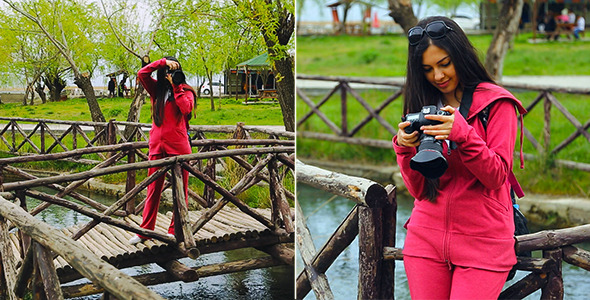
(172,103)
(459,242)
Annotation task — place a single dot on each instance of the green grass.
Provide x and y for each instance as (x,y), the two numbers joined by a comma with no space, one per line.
(386,56)
(228,111)
(553,180)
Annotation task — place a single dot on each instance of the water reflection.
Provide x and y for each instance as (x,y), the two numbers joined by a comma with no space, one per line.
(269,283)
(324,212)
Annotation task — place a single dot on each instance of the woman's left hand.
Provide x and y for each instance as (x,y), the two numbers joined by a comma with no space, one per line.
(443,130)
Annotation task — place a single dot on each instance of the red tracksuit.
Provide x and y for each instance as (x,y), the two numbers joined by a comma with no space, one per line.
(169,139)
(464,240)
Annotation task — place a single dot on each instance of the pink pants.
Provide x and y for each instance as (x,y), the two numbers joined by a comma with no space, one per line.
(432,279)
(154,192)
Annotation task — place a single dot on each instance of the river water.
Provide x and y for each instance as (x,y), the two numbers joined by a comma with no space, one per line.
(324,212)
(269,283)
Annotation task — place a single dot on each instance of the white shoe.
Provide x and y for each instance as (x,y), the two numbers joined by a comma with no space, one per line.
(135,239)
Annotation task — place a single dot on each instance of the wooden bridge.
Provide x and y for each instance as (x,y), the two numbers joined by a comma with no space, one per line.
(373,220)
(41,260)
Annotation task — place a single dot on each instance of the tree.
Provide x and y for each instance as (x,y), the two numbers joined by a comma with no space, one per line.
(70,26)
(403,13)
(275,21)
(503,36)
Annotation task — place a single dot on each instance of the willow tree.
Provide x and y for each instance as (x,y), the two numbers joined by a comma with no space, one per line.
(503,35)
(275,21)
(131,41)
(72,28)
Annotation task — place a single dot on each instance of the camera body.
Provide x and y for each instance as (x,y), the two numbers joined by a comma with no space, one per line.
(418,119)
(177,76)
(429,160)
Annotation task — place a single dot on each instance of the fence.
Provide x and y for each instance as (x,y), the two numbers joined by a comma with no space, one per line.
(347,134)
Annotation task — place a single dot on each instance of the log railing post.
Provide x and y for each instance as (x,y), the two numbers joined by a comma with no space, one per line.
(344,109)
(25,240)
(389,227)
(371,234)
(111,132)
(42,133)
(278,198)
(182,226)
(8,268)
(547,126)
(130,183)
(47,271)
(554,288)
(208,191)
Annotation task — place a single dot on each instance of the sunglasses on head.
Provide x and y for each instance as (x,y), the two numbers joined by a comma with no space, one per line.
(435,30)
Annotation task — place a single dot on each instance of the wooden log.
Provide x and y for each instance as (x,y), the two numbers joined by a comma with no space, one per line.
(142,165)
(182,224)
(318,282)
(360,190)
(7,256)
(554,287)
(24,274)
(130,183)
(86,289)
(114,281)
(386,144)
(370,252)
(549,239)
(225,193)
(532,264)
(525,286)
(119,203)
(282,252)
(106,219)
(278,198)
(340,239)
(389,215)
(59,188)
(180,271)
(48,273)
(392,253)
(577,257)
(317,106)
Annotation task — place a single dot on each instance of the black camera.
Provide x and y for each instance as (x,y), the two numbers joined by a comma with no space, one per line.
(429,160)
(177,76)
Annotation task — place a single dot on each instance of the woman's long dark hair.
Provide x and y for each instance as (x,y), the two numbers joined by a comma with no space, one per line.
(419,92)
(162,87)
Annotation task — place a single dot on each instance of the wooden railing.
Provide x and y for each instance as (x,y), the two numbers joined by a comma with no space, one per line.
(344,132)
(253,161)
(373,219)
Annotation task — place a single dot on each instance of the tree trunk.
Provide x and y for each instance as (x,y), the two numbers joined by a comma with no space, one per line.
(55,84)
(285,90)
(41,91)
(84,83)
(402,13)
(505,31)
(134,110)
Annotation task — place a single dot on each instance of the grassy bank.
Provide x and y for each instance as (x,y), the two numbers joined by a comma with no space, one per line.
(386,56)
(227,111)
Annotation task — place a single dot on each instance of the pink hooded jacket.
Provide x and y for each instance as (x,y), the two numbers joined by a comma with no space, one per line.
(172,136)
(471,222)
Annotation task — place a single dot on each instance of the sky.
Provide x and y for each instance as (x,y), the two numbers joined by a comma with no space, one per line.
(314,12)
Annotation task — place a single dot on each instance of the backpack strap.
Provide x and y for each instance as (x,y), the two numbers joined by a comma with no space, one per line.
(483,116)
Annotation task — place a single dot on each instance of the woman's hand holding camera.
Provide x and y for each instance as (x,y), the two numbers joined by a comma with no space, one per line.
(171,66)
(443,130)
(407,139)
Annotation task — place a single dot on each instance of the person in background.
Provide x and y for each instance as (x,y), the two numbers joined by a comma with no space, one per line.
(459,242)
(172,104)
(112,86)
(580,26)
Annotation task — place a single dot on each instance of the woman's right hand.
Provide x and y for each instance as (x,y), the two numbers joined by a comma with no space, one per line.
(404,139)
(172,65)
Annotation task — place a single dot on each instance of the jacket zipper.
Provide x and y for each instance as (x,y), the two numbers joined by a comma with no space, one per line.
(447,237)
